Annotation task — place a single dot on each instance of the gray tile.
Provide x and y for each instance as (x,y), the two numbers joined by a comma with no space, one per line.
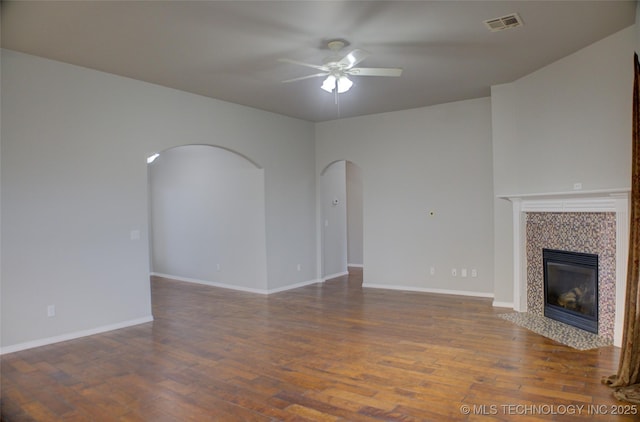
(562,333)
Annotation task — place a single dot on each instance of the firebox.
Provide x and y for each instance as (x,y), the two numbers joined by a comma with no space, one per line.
(571,288)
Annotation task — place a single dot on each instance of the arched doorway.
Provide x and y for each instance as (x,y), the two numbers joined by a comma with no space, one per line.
(207,221)
(341,218)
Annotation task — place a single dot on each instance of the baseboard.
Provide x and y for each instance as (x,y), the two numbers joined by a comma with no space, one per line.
(293,286)
(71,336)
(330,276)
(355,265)
(212,283)
(502,304)
(428,290)
(234,287)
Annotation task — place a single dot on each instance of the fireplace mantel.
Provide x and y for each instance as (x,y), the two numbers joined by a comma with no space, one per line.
(570,196)
(606,200)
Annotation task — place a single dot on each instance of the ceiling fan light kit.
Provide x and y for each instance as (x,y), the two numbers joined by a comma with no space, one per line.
(344,84)
(340,82)
(337,69)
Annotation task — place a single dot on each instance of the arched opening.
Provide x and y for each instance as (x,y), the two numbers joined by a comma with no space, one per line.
(207,217)
(341,218)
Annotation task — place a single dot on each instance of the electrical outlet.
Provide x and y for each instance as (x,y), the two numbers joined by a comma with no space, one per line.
(454,272)
(299,267)
(463,272)
(218,267)
(432,270)
(51,311)
(474,272)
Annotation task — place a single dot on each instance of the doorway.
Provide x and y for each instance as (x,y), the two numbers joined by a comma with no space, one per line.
(341,196)
(207,217)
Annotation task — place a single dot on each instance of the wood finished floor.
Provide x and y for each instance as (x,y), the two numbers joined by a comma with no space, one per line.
(325,352)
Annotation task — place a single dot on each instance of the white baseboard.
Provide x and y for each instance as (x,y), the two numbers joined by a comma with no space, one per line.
(71,336)
(427,290)
(293,286)
(235,287)
(212,283)
(330,276)
(355,265)
(502,304)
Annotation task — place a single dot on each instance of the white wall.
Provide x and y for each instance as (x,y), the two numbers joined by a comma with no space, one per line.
(0,184)
(413,162)
(637,25)
(573,120)
(334,219)
(71,195)
(207,217)
(74,187)
(504,179)
(569,122)
(354,214)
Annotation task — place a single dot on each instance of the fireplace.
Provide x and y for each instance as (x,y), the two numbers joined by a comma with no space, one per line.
(596,222)
(571,288)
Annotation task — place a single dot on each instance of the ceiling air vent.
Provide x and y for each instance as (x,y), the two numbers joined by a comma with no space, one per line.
(505,22)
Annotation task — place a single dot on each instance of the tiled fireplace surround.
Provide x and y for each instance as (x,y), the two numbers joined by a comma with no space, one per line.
(587,232)
(591,222)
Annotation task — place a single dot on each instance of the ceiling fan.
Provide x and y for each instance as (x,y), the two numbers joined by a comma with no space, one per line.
(337,69)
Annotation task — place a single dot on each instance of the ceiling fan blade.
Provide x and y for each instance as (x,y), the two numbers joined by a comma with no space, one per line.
(313,66)
(316,75)
(353,58)
(375,71)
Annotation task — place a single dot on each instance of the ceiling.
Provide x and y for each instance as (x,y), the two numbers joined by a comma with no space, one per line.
(229,50)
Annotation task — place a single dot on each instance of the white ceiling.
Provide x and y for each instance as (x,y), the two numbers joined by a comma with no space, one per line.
(230,49)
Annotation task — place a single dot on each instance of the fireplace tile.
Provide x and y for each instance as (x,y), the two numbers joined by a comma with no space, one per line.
(589,232)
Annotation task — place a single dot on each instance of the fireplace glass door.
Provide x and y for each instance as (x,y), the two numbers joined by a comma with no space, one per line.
(571,288)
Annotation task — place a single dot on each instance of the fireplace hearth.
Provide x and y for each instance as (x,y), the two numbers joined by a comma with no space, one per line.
(571,288)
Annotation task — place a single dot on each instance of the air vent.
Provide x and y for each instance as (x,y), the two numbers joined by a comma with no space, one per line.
(505,22)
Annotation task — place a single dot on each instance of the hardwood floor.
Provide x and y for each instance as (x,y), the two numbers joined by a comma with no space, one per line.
(325,352)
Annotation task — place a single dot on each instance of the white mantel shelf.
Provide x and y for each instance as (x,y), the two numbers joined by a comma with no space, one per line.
(604,200)
(574,194)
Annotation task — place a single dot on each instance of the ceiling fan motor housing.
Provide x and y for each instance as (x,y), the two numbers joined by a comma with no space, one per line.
(332,61)
(336,45)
